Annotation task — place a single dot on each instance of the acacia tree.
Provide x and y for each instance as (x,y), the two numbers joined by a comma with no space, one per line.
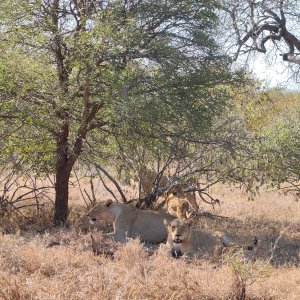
(69,66)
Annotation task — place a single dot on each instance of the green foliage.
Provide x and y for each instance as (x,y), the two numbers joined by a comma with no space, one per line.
(272,119)
(128,77)
(281,144)
(99,53)
(133,85)
(247,273)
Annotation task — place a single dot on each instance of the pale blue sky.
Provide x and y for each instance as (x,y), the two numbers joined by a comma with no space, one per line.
(273,73)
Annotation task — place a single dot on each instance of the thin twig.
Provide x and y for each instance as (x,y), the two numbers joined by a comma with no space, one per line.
(79,185)
(106,187)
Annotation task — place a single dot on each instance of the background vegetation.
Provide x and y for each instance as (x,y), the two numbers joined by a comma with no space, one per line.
(94,94)
(135,85)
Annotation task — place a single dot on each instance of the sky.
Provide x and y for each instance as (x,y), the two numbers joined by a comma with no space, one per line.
(271,70)
(274,73)
(269,67)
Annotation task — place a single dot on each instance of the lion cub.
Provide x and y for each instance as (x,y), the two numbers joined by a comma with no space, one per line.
(183,240)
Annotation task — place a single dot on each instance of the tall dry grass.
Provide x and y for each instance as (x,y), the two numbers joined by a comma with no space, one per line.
(40,262)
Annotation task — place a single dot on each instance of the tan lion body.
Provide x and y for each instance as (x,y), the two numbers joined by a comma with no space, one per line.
(128,221)
(184,240)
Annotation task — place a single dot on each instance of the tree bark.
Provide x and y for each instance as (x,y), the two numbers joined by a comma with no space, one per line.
(63,171)
(61,195)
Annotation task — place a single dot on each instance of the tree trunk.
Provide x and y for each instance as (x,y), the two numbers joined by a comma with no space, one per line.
(63,171)
(61,195)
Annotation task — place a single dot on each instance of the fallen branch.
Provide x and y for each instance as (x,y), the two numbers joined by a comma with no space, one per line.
(273,247)
(210,215)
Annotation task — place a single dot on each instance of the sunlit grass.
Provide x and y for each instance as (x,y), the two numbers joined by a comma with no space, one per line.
(59,264)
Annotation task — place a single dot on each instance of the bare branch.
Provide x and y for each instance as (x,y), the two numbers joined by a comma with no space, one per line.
(106,187)
(113,181)
(291,58)
(79,185)
(266,24)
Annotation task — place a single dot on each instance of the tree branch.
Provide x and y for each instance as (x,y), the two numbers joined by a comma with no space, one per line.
(113,181)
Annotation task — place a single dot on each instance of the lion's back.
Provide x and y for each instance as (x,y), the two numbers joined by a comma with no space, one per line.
(149,226)
(205,241)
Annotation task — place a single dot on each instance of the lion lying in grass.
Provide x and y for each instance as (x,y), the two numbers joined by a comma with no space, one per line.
(183,240)
(128,221)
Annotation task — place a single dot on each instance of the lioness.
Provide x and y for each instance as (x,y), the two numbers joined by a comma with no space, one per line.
(177,207)
(128,221)
(148,177)
(147,180)
(177,190)
(183,240)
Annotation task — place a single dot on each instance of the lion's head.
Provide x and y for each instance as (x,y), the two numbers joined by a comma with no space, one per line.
(179,230)
(100,211)
(177,207)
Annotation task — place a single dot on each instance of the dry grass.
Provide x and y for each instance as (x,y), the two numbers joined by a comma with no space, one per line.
(39,262)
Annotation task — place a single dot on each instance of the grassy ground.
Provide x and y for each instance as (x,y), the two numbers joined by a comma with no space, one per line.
(39,262)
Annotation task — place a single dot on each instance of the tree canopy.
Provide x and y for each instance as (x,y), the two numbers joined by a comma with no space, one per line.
(77,73)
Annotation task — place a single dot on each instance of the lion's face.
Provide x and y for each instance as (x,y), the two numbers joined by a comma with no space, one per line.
(177,207)
(100,211)
(177,188)
(178,229)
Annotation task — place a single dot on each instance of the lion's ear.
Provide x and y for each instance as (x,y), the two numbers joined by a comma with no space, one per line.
(189,222)
(108,202)
(165,194)
(166,222)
